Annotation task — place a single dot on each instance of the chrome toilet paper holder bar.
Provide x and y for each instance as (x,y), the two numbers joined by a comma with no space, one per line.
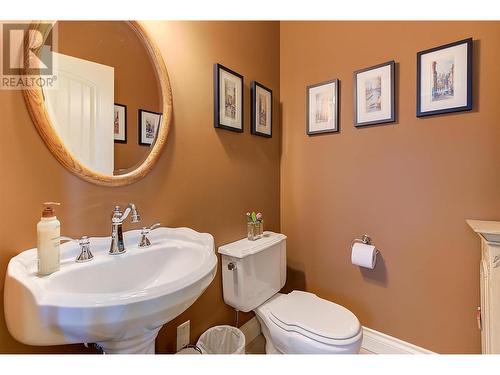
(365,239)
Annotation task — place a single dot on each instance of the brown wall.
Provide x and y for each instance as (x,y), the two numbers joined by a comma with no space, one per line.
(410,185)
(206,179)
(114,43)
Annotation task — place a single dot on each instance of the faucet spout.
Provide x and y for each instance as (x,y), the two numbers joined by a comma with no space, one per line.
(117,244)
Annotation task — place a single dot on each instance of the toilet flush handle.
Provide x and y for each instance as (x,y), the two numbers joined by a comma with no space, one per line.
(231,266)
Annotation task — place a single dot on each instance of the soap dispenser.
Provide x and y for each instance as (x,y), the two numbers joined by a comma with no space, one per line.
(48,240)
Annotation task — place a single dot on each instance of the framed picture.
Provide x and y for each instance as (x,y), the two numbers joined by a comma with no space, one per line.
(149,122)
(323,107)
(228,99)
(120,123)
(374,98)
(444,79)
(261,105)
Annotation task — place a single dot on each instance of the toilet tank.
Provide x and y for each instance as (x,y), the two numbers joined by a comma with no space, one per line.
(253,271)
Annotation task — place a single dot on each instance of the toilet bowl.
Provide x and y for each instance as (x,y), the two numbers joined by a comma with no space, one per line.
(302,323)
(253,272)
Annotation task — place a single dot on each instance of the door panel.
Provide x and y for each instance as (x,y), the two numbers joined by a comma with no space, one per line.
(82,108)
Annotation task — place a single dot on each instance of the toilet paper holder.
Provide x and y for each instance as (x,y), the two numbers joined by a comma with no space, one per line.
(365,239)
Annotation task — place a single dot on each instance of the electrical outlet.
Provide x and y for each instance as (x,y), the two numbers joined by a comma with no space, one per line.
(183,334)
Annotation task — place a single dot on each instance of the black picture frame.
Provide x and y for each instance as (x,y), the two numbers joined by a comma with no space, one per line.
(469,62)
(124,140)
(392,75)
(217,99)
(140,126)
(253,106)
(336,129)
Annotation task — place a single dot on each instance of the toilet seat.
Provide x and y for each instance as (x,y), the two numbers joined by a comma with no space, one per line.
(315,318)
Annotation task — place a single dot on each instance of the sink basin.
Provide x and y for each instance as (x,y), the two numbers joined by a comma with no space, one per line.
(117,301)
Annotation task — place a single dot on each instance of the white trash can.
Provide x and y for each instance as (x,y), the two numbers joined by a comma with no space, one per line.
(222,340)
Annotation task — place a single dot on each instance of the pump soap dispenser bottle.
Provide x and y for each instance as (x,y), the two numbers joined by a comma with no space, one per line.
(49,233)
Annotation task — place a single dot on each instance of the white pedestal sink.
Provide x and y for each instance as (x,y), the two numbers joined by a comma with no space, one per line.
(117,301)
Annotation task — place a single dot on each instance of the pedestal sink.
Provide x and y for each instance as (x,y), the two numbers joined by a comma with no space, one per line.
(117,301)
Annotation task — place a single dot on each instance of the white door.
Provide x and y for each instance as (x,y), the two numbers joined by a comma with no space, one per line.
(81,109)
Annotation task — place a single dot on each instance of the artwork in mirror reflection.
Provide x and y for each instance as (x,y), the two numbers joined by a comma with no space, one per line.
(101,64)
(149,123)
(120,123)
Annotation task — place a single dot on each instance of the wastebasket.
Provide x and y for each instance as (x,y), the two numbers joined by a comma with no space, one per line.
(222,340)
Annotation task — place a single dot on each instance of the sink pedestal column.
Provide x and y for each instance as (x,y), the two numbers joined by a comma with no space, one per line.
(141,344)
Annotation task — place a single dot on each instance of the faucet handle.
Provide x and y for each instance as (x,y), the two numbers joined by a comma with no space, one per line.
(135,214)
(66,238)
(85,253)
(146,230)
(144,241)
(154,226)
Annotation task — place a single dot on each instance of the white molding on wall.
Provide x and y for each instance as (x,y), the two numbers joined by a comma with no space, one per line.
(374,342)
(379,343)
(251,330)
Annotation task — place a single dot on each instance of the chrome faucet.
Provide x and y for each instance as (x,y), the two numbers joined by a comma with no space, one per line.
(117,219)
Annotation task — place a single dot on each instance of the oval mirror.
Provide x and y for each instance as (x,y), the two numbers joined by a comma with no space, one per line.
(107,115)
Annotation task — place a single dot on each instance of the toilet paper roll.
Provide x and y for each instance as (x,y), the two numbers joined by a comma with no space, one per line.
(364,255)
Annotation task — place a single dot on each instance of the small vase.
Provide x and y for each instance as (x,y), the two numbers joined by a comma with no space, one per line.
(254,231)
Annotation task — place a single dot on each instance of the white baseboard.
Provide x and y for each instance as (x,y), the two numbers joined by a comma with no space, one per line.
(251,330)
(374,342)
(379,343)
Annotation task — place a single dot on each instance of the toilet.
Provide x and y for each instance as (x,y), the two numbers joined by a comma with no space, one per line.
(253,273)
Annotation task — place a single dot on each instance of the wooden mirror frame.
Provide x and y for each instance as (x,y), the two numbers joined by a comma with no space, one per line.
(38,112)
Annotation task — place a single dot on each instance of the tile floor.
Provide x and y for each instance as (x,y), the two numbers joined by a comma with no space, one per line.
(257,346)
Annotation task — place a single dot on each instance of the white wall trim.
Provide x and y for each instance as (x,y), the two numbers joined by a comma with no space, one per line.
(379,343)
(251,330)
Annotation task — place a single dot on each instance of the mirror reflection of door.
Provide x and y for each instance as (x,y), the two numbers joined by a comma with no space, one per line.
(81,109)
(102,63)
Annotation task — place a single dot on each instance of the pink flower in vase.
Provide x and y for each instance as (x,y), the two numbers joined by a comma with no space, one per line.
(259,217)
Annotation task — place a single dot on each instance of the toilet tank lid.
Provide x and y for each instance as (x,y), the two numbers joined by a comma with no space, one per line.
(244,247)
